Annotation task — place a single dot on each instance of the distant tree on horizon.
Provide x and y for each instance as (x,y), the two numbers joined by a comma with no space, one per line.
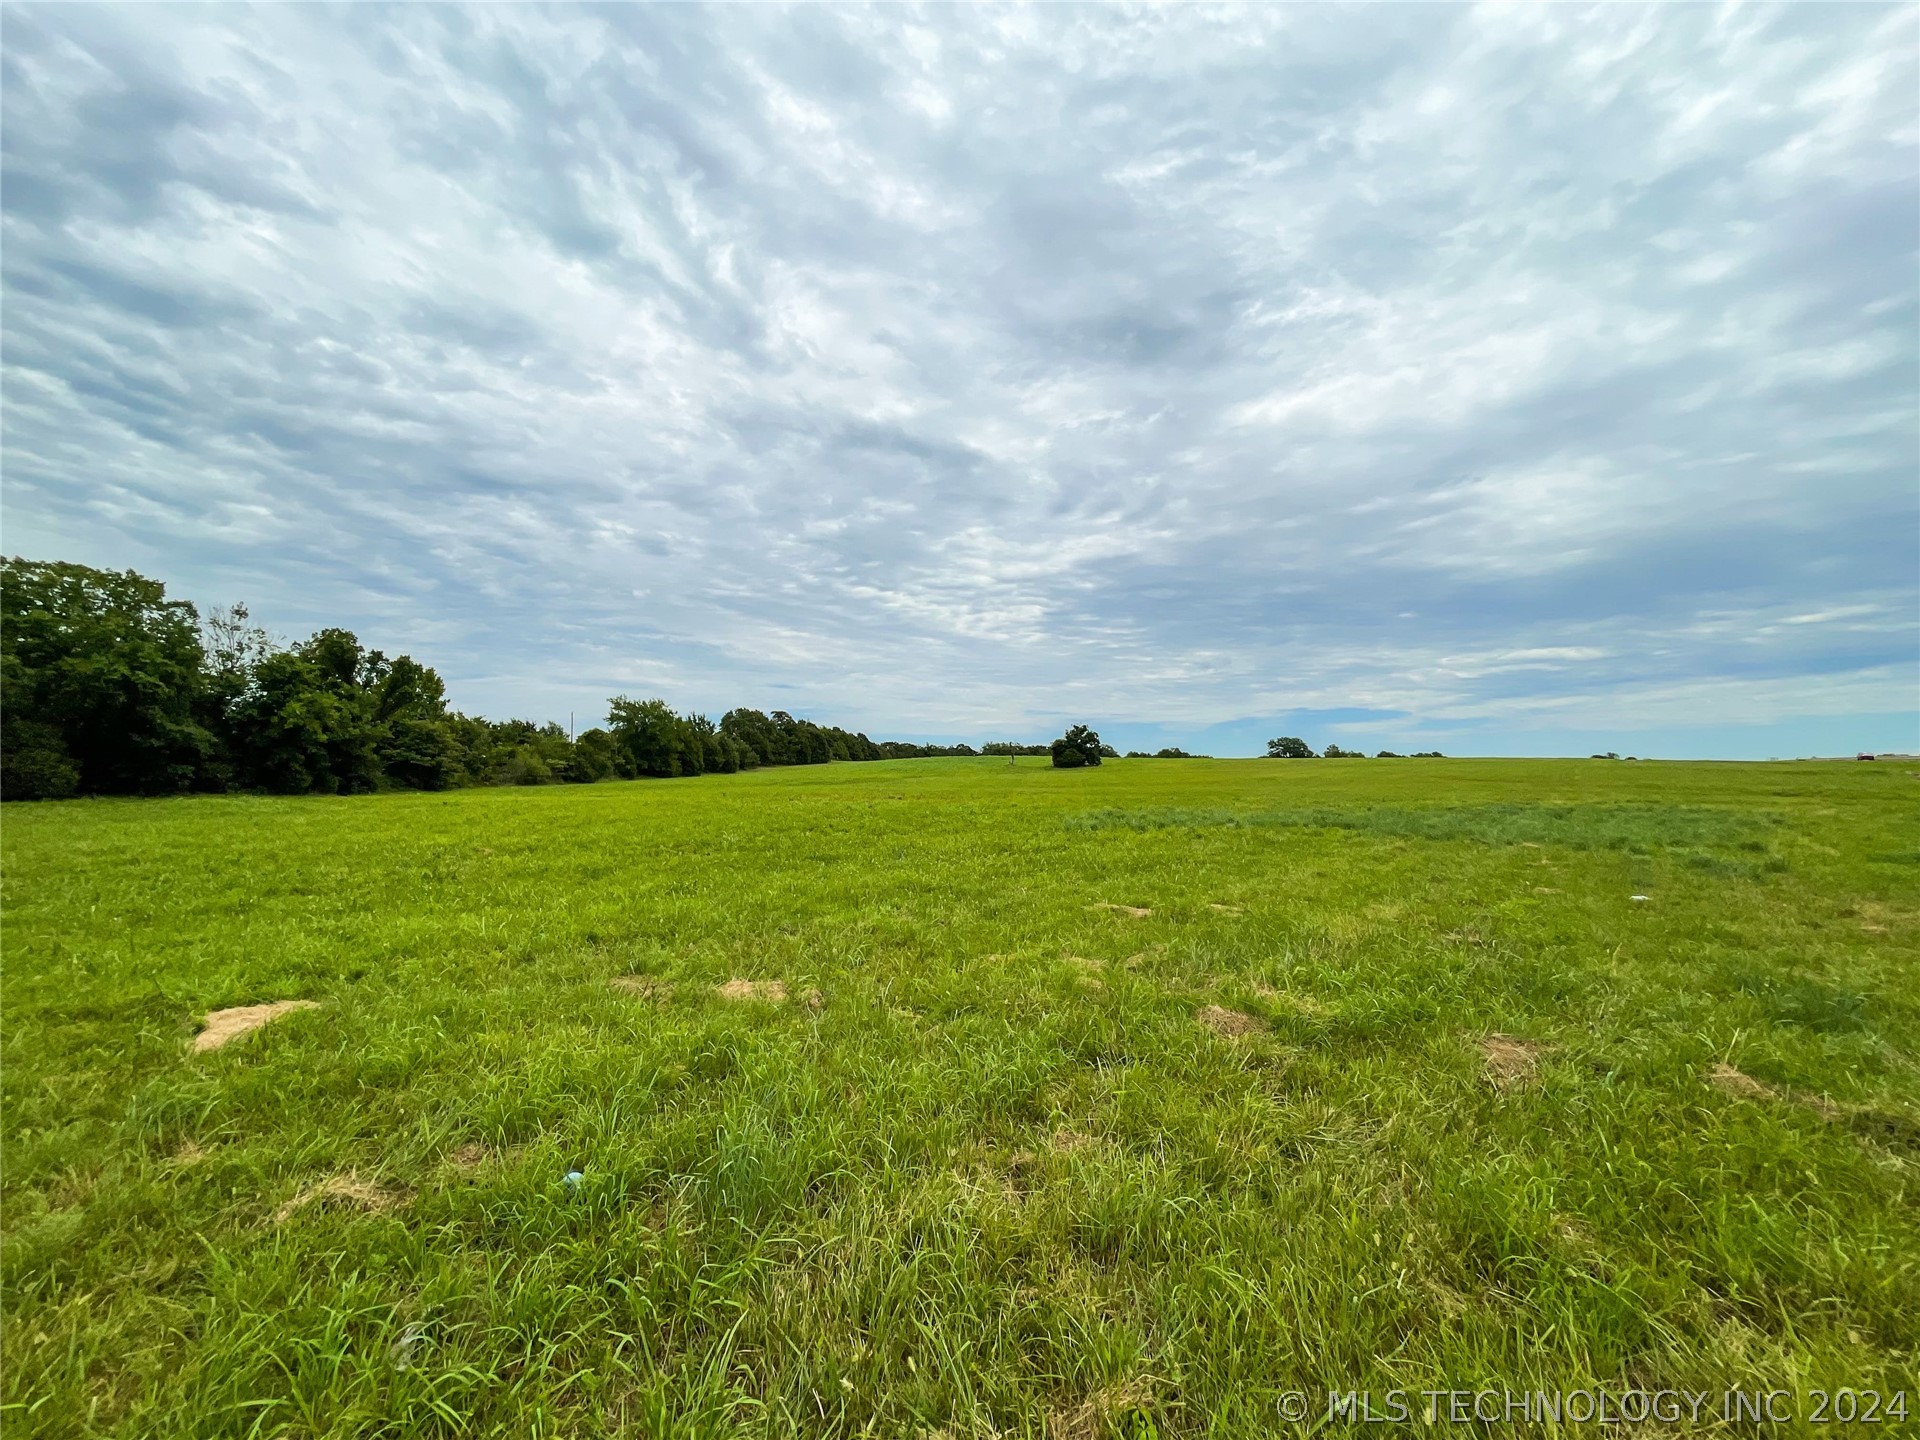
(108,687)
(1079,746)
(1290,747)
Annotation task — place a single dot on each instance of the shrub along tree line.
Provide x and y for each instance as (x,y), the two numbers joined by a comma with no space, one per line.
(109,687)
(1292,747)
(1078,747)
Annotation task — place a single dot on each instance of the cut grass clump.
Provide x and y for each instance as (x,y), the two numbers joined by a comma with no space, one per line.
(767,992)
(343,1191)
(1509,1061)
(1230,1024)
(223,1027)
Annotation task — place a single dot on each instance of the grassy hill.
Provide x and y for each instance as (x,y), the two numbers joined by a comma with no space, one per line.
(960,1097)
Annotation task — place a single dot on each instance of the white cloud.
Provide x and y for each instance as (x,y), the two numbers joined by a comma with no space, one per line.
(949,370)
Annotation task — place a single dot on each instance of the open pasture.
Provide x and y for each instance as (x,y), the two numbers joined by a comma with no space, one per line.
(1115,1102)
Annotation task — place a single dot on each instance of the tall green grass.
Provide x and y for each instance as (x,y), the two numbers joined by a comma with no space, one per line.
(1000,1180)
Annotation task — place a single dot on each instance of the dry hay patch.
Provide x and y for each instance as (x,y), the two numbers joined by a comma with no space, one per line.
(1233,910)
(468,1156)
(647,987)
(1863,1119)
(1229,1023)
(1877,918)
(1137,912)
(223,1026)
(1509,1060)
(343,1191)
(1095,1415)
(1739,1084)
(813,999)
(1087,971)
(771,992)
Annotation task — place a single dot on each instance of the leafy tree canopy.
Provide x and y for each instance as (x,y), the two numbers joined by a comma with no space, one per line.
(101,684)
(1079,746)
(109,687)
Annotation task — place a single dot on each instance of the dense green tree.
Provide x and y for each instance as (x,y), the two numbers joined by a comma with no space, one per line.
(593,755)
(649,739)
(757,733)
(233,648)
(413,740)
(101,682)
(1078,747)
(332,716)
(521,752)
(307,723)
(1289,747)
(107,686)
(805,743)
(34,763)
(903,750)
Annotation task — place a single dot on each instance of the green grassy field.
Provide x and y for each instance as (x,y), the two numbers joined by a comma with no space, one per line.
(996,1164)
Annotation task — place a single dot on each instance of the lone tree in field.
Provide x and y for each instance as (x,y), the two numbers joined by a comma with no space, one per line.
(1289,747)
(1079,746)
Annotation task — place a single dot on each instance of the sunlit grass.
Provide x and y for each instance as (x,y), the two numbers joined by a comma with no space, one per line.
(995,1177)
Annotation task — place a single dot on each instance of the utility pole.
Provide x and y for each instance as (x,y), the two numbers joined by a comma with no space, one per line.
(569,727)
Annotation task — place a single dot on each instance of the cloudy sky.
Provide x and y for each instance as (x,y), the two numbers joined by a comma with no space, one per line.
(1527,380)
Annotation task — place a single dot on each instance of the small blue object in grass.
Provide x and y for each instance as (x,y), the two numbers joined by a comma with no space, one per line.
(574,1177)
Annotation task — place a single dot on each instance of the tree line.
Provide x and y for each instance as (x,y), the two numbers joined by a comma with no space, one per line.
(1292,747)
(107,687)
